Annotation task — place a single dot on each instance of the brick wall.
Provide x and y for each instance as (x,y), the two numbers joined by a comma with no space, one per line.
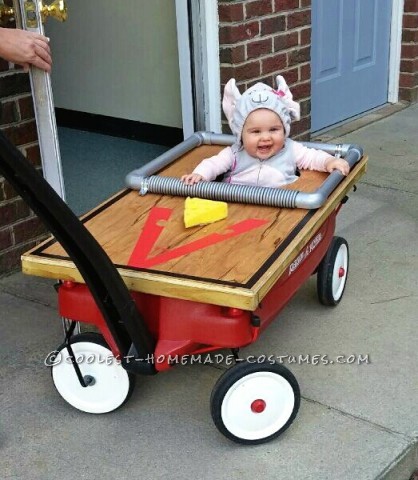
(20,229)
(408,81)
(260,39)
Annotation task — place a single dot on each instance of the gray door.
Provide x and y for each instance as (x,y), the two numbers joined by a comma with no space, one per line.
(350,58)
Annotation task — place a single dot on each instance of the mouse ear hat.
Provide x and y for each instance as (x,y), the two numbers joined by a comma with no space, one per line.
(237,107)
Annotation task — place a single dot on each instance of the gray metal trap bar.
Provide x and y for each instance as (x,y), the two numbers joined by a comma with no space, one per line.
(144,180)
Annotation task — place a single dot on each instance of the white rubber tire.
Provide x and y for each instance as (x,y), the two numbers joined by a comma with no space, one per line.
(241,387)
(112,384)
(333,272)
(338,281)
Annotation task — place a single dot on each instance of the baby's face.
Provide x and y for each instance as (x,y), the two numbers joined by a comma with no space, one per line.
(263,134)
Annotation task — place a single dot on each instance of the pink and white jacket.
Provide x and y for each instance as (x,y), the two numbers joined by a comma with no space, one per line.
(242,169)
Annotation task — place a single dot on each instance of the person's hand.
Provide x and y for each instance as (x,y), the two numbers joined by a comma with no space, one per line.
(25,48)
(337,164)
(191,178)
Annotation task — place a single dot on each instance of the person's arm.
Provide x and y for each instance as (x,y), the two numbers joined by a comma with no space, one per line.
(209,168)
(25,48)
(313,159)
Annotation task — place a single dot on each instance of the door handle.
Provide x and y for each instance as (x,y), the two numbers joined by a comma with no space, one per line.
(57,9)
(7,14)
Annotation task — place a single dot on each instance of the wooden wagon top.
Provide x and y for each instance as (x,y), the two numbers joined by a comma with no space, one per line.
(233,262)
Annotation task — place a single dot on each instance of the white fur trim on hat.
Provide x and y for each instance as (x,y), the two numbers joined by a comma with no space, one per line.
(237,107)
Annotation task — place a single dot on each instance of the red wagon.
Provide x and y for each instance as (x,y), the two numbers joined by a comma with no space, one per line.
(188,292)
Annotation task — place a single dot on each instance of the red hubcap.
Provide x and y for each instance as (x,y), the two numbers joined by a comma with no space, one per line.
(341,272)
(258,406)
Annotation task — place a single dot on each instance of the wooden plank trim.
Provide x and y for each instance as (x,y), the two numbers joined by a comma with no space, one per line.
(172,287)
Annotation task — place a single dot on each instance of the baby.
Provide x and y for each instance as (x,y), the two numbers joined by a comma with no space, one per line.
(262,154)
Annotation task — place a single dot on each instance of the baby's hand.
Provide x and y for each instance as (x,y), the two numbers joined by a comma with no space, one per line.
(337,164)
(191,178)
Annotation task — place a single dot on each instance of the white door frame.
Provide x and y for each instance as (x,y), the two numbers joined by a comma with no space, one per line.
(184,50)
(211,65)
(44,108)
(206,65)
(395,50)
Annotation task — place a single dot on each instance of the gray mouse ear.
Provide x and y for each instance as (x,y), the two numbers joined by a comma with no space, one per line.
(230,98)
(287,98)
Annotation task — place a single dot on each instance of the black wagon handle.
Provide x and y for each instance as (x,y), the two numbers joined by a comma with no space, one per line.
(100,275)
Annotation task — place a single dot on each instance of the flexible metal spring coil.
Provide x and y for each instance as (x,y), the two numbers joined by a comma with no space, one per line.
(272,197)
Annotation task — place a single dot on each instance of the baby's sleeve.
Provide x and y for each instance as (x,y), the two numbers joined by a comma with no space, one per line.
(310,158)
(211,167)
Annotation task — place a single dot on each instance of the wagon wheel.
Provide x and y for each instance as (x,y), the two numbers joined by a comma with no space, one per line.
(253,403)
(333,272)
(109,385)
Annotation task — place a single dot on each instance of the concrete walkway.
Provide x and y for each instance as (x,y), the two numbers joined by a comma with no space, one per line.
(356,421)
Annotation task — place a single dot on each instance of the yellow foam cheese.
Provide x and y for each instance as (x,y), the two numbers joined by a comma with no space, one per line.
(198,211)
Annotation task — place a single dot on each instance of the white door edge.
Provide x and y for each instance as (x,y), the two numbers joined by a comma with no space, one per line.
(395,50)
(43,104)
(211,65)
(186,88)
(47,129)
